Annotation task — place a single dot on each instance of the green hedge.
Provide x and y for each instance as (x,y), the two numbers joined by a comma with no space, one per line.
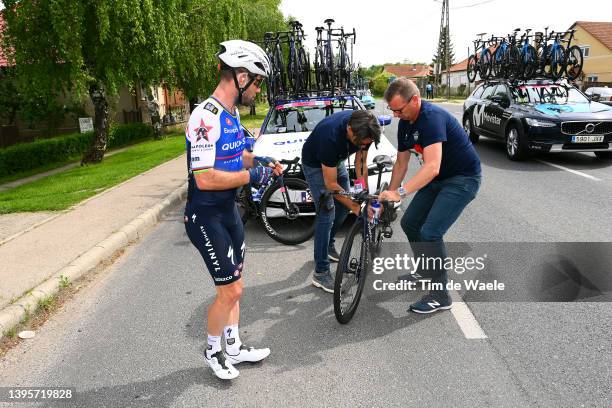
(28,156)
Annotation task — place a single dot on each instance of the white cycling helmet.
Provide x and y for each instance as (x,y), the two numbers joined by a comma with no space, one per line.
(245,54)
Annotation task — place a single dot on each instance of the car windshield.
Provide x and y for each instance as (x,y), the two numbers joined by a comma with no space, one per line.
(557,94)
(303,116)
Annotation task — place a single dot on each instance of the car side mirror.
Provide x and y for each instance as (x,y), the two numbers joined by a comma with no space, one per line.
(384,120)
(595,97)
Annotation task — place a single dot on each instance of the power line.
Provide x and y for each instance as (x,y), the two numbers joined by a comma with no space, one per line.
(468,5)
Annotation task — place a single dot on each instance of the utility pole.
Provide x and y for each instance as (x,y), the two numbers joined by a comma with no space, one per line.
(447,51)
(444,36)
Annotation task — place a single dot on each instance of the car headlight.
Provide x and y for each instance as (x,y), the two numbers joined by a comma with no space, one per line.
(539,123)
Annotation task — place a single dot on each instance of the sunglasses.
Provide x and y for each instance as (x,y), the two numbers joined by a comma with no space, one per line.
(257,80)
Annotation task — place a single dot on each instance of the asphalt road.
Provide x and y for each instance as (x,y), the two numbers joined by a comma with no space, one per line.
(135,337)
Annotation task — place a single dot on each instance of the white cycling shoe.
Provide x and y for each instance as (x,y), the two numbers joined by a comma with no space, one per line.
(248,354)
(221,366)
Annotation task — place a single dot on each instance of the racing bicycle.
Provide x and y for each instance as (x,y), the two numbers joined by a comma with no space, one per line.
(360,246)
(284,205)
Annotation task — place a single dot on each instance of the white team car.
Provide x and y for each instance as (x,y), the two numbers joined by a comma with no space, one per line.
(289,123)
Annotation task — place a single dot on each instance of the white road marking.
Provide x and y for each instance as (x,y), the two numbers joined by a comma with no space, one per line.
(465,319)
(579,173)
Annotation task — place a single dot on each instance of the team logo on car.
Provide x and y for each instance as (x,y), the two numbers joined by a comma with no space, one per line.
(202,131)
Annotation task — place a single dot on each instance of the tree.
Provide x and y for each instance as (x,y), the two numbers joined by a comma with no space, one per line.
(440,56)
(10,100)
(208,23)
(76,48)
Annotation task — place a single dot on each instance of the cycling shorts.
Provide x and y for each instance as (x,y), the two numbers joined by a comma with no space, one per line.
(218,233)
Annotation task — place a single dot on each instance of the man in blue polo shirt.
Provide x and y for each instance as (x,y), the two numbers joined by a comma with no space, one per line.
(331,142)
(447,181)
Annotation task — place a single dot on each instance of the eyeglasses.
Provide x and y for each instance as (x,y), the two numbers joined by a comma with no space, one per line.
(402,108)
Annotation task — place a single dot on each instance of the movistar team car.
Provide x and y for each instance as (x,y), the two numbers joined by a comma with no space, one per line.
(289,122)
(538,116)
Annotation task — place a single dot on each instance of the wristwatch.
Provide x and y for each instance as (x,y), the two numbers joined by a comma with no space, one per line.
(402,192)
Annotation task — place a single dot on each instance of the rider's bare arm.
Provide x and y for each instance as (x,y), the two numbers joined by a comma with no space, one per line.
(330,177)
(362,172)
(399,169)
(432,157)
(212,179)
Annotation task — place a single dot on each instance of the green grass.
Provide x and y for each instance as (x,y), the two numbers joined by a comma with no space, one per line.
(38,170)
(62,190)
(253,122)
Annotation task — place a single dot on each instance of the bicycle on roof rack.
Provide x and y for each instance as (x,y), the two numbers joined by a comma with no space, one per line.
(480,61)
(528,57)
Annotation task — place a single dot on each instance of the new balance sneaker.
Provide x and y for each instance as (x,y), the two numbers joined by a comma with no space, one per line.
(221,367)
(431,303)
(248,354)
(333,255)
(324,281)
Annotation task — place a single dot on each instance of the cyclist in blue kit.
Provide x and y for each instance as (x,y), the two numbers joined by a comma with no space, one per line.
(217,164)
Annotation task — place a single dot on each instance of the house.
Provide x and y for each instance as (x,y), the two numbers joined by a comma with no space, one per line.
(458,78)
(129,106)
(419,73)
(595,40)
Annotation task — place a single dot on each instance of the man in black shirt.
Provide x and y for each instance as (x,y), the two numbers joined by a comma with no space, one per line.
(331,142)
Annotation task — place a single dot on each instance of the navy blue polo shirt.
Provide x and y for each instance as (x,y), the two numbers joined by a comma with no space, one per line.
(328,143)
(434,125)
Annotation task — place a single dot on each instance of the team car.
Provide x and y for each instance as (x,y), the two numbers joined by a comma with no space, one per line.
(538,116)
(289,122)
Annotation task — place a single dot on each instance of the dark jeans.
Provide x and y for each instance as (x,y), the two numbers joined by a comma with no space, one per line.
(330,215)
(432,211)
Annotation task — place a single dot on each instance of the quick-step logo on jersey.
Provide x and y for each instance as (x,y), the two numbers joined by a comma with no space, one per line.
(214,138)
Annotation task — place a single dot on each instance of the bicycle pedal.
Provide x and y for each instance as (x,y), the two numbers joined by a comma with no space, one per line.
(388,232)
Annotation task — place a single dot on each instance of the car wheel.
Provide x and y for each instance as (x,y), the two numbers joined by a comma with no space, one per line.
(467,126)
(515,146)
(603,155)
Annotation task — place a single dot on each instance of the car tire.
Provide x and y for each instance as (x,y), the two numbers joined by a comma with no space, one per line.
(515,143)
(603,155)
(467,126)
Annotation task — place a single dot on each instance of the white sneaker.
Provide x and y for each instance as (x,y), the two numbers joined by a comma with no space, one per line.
(221,367)
(248,354)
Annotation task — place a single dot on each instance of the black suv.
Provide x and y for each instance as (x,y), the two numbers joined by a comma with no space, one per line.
(538,115)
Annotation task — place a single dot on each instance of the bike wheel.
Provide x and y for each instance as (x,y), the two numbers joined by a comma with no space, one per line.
(573,65)
(304,65)
(288,224)
(513,63)
(557,59)
(471,68)
(529,61)
(497,67)
(351,273)
(485,64)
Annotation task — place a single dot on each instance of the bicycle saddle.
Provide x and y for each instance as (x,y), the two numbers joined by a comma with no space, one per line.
(329,21)
(517,30)
(382,160)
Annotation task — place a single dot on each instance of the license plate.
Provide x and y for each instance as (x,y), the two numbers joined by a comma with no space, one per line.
(587,139)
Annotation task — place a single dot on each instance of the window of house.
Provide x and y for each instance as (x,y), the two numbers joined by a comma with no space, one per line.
(592,78)
(586,50)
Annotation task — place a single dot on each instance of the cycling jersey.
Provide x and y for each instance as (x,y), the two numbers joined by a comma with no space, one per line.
(214,140)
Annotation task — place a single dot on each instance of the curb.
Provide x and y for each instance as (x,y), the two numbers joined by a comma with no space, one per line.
(11,315)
